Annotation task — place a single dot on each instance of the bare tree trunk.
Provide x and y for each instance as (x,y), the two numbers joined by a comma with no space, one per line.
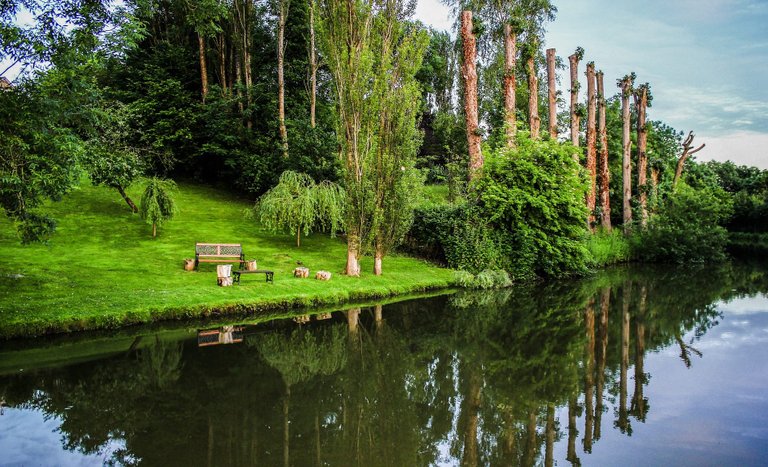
(591,143)
(377,259)
(353,253)
(247,61)
(203,66)
(312,65)
(605,173)
(284,6)
(469,73)
(552,94)
(533,98)
(574,61)
(127,199)
(626,90)
(238,81)
(510,58)
(154,229)
(687,152)
(223,64)
(641,103)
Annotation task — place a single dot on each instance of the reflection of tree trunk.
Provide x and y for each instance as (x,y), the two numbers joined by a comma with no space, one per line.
(589,379)
(638,401)
(377,315)
(317,438)
(605,303)
(353,318)
(286,426)
(573,431)
(210,441)
(549,453)
(472,401)
(685,350)
(510,439)
(529,457)
(623,420)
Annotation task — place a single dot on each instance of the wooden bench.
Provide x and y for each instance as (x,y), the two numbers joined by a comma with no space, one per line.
(269,274)
(219,253)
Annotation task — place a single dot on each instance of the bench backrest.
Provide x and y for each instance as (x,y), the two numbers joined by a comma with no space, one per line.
(219,249)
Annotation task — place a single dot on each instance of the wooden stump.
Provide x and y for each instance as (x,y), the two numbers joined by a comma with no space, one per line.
(323,276)
(251,265)
(189,264)
(224,271)
(301,272)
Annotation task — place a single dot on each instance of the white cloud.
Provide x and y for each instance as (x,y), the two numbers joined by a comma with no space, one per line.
(743,148)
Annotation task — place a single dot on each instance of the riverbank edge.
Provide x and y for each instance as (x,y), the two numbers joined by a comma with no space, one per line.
(205,311)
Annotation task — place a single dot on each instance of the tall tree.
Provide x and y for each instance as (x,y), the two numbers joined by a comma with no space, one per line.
(534,122)
(313,64)
(552,93)
(283,8)
(688,151)
(626,85)
(591,143)
(346,27)
(603,167)
(469,74)
(401,50)
(574,60)
(642,100)
(204,16)
(510,85)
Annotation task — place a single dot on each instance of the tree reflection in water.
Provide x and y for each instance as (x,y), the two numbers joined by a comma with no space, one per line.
(471,379)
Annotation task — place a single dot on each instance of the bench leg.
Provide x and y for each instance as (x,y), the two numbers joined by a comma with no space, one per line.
(270,277)
(236,278)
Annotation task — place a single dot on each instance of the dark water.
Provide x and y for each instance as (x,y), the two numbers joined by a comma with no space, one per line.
(640,366)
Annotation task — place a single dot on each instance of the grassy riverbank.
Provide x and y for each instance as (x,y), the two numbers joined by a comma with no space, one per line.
(103,270)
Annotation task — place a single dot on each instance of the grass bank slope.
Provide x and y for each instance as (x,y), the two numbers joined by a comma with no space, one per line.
(103,270)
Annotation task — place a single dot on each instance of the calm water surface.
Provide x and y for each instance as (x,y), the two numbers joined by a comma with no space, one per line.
(638,366)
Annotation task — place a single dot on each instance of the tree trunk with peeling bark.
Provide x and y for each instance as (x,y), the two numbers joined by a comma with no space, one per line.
(641,103)
(626,90)
(574,62)
(352,267)
(591,143)
(533,98)
(605,173)
(510,85)
(469,73)
(284,6)
(552,93)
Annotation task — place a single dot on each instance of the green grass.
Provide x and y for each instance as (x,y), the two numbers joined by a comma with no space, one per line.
(102,269)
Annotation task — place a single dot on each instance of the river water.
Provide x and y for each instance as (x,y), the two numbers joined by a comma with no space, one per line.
(633,366)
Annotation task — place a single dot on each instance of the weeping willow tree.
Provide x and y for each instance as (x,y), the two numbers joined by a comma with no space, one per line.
(297,204)
(299,357)
(157,205)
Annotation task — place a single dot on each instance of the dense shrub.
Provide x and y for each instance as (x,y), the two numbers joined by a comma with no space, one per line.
(535,195)
(688,227)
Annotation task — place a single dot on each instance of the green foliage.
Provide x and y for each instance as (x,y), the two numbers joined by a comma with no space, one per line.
(485,279)
(535,194)
(297,204)
(157,205)
(606,248)
(688,227)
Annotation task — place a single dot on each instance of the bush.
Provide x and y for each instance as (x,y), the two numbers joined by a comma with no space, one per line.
(535,194)
(607,248)
(486,279)
(464,279)
(688,227)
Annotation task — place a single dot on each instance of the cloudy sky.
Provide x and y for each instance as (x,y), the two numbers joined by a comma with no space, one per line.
(706,61)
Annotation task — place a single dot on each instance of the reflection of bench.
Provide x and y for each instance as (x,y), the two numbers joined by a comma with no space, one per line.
(269,274)
(219,253)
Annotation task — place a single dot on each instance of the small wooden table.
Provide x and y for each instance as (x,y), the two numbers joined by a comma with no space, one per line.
(269,274)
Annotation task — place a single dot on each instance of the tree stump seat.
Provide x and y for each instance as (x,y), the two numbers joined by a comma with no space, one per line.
(269,275)
(219,253)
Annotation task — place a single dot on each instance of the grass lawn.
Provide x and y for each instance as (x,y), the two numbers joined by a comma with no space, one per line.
(103,270)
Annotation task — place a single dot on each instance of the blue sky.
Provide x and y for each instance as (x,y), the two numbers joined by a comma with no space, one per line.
(706,61)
